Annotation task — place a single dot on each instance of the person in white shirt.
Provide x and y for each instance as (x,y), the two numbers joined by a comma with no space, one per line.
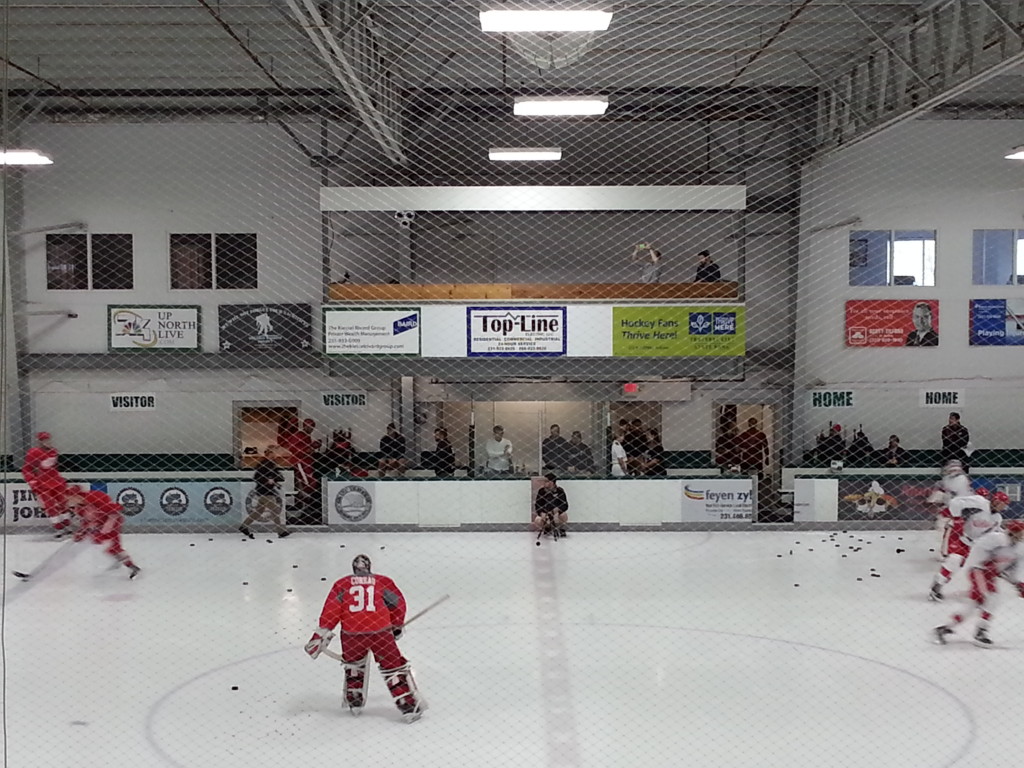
(618,457)
(499,452)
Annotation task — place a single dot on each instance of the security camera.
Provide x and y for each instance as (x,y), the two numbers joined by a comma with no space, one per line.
(405,218)
(405,223)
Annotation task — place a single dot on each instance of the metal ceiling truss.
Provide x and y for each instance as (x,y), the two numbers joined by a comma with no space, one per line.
(351,45)
(948,48)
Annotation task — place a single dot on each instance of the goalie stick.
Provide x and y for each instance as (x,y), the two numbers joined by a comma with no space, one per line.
(432,606)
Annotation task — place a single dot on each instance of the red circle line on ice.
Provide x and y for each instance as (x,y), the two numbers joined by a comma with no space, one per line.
(153,714)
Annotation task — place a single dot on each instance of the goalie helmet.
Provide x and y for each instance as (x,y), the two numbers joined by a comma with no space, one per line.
(953,468)
(361,564)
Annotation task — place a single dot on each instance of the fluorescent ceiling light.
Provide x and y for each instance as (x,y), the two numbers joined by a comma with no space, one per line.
(23,157)
(524,153)
(560,105)
(1017,154)
(545,21)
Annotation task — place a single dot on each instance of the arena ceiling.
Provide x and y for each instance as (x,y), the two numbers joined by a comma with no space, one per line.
(197,54)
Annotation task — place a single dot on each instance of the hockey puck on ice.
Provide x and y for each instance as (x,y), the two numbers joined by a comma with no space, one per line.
(844,555)
(234,687)
(382,547)
(859,579)
(270,541)
(245,583)
(191,545)
(796,585)
(322,578)
(538,544)
(877,575)
(900,551)
(295,566)
(287,590)
(776,555)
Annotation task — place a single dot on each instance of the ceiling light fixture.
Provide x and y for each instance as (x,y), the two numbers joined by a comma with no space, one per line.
(1016,154)
(560,105)
(23,157)
(503,154)
(545,21)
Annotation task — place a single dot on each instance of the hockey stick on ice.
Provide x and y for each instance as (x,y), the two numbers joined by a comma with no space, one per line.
(43,567)
(337,656)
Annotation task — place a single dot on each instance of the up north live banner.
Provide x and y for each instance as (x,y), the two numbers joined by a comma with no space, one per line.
(541,330)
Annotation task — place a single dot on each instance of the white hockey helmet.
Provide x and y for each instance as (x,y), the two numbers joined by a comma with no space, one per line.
(953,468)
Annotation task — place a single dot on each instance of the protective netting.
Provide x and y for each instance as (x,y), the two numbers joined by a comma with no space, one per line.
(281,233)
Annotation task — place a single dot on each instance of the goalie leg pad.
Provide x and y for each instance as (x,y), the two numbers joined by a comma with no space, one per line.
(402,686)
(356,684)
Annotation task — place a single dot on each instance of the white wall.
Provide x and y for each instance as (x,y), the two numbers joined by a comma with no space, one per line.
(153,180)
(946,176)
(194,408)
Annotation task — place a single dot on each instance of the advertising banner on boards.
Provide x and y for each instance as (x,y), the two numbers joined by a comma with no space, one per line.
(350,503)
(892,323)
(714,500)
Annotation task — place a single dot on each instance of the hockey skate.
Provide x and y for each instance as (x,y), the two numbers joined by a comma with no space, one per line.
(935,593)
(982,639)
(941,633)
(133,571)
(246,532)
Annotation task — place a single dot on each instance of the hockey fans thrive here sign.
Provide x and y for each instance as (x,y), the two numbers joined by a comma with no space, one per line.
(714,500)
(832,398)
(132,401)
(265,327)
(350,503)
(942,398)
(371,331)
(515,331)
(686,331)
(153,328)
(343,399)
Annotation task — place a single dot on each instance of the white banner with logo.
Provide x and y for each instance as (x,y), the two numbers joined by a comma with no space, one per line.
(714,500)
(515,331)
(371,331)
(350,503)
(20,507)
(153,328)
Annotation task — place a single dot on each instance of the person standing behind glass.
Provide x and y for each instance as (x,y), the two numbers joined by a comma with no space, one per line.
(578,457)
(619,457)
(653,462)
(553,449)
(442,458)
(650,261)
(707,270)
(499,453)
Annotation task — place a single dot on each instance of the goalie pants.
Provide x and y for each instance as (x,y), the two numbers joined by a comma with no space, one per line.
(382,645)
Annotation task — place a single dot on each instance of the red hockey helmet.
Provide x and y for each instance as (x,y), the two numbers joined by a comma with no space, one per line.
(43,436)
(1000,497)
(983,492)
(1013,526)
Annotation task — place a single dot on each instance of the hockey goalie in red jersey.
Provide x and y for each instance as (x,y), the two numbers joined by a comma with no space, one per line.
(40,472)
(100,520)
(371,611)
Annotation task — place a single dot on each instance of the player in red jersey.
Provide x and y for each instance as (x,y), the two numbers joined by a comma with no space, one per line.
(371,610)
(40,472)
(101,521)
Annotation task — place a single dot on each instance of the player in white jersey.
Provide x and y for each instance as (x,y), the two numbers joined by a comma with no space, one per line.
(995,554)
(968,518)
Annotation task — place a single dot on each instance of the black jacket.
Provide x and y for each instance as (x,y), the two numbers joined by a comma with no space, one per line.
(550,499)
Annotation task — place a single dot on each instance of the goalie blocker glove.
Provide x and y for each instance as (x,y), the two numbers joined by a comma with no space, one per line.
(320,640)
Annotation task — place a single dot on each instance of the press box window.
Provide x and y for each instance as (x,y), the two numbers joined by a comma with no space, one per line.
(998,257)
(222,261)
(900,257)
(81,262)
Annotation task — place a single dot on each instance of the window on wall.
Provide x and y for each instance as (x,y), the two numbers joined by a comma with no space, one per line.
(80,262)
(899,257)
(222,261)
(998,257)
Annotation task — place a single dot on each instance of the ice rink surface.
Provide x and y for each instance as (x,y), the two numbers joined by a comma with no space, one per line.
(605,649)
